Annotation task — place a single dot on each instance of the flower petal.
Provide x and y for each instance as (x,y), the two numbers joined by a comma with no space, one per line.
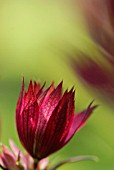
(58,125)
(48,105)
(17,153)
(19,103)
(8,159)
(79,121)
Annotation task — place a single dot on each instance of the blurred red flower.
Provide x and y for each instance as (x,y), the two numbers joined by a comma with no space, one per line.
(98,74)
(95,75)
(99,16)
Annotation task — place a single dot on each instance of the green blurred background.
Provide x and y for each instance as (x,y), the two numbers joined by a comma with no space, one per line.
(36,39)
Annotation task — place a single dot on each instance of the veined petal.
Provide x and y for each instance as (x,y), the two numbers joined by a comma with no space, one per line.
(43,95)
(59,123)
(20,100)
(28,121)
(37,88)
(46,110)
(29,95)
(79,121)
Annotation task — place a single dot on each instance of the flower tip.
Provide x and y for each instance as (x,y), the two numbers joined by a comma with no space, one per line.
(30,83)
(51,87)
(4,149)
(71,93)
(60,85)
(23,83)
(72,90)
(92,107)
(61,82)
(11,143)
(43,85)
(35,83)
(22,78)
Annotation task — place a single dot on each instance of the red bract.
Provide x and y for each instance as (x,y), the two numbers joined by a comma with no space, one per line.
(45,118)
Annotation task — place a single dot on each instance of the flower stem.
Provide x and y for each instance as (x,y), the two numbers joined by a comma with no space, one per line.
(35,163)
(74,159)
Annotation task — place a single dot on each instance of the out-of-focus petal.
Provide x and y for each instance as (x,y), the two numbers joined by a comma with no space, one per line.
(8,159)
(96,75)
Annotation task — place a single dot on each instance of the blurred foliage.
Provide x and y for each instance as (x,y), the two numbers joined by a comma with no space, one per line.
(35,37)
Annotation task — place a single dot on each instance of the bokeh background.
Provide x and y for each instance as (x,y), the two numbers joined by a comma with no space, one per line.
(36,40)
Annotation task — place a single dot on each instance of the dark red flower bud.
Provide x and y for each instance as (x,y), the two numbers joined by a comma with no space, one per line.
(45,118)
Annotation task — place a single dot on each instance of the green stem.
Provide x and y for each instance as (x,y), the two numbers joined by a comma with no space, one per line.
(74,159)
(35,163)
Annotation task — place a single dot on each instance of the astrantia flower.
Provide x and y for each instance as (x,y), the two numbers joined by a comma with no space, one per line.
(45,119)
